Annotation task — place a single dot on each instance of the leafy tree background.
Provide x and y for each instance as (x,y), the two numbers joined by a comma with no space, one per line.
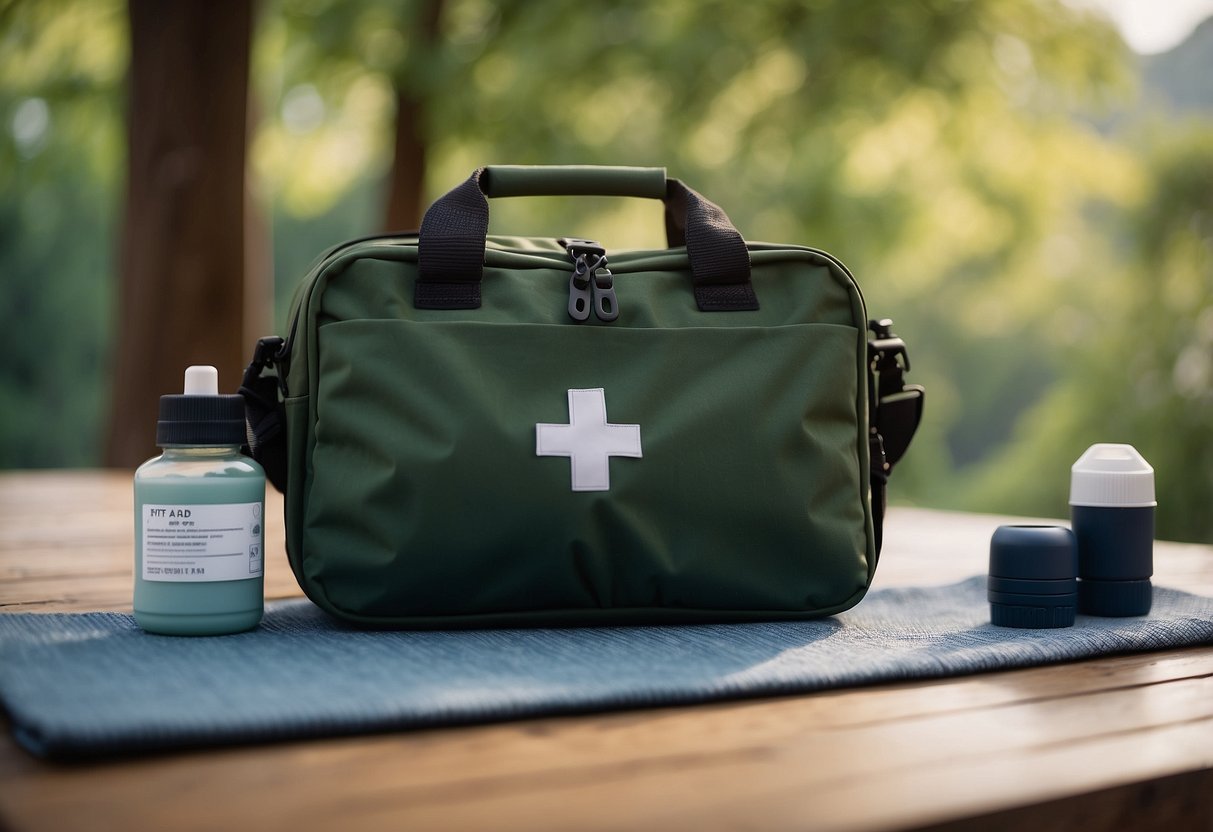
(1004,176)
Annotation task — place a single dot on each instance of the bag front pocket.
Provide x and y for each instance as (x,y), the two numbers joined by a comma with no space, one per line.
(429,497)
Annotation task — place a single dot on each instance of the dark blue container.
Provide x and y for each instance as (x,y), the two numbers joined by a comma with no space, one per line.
(1112,511)
(1032,582)
(1115,559)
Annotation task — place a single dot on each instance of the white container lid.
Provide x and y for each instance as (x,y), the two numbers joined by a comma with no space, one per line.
(1112,476)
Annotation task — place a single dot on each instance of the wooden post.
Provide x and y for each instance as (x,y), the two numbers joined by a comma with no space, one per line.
(182,250)
(406,185)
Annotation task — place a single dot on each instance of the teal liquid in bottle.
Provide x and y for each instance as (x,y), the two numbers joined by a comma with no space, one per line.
(199,518)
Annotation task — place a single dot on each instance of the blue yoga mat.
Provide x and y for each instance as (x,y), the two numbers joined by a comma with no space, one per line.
(78,685)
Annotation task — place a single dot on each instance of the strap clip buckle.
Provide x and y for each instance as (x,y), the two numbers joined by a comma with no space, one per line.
(269,351)
(885,348)
(897,406)
(578,246)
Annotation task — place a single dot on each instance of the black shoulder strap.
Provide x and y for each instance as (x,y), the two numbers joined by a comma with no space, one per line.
(895,411)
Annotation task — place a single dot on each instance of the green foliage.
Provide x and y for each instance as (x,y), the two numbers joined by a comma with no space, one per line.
(1052,279)
(60,153)
(1144,372)
(930,145)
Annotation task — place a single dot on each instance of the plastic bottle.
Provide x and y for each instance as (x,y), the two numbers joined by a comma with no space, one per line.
(1112,511)
(199,515)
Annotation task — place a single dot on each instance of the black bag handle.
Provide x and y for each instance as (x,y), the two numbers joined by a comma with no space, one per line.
(453,231)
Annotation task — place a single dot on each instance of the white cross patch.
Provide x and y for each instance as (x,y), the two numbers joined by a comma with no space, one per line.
(588,440)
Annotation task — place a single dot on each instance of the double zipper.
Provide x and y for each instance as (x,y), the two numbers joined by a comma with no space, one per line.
(591,285)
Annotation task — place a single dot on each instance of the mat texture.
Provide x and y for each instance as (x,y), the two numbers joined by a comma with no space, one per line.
(78,685)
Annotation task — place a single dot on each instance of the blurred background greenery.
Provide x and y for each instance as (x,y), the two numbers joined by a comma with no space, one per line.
(1027,197)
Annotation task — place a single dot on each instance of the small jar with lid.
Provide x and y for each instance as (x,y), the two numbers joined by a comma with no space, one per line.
(1112,510)
(199,518)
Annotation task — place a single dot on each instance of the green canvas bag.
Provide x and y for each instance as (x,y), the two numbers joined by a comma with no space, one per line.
(529,431)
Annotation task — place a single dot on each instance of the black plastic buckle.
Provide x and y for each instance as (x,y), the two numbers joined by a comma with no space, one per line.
(886,348)
(897,406)
(578,246)
(268,352)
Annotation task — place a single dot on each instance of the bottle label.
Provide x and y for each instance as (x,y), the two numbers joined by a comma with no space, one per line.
(201,542)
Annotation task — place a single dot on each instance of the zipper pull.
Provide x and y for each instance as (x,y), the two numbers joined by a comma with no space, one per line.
(579,290)
(588,257)
(606,305)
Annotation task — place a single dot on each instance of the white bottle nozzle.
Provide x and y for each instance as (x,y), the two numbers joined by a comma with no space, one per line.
(201,380)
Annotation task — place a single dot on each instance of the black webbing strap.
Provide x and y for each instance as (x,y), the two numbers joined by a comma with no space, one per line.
(264,414)
(452,241)
(716,249)
(450,250)
(895,411)
(878,475)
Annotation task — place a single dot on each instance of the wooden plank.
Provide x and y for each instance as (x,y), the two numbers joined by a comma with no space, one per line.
(111,590)
(41,562)
(770,721)
(679,768)
(54,560)
(82,529)
(1098,734)
(926,547)
(104,550)
(42,489)
(1181,801)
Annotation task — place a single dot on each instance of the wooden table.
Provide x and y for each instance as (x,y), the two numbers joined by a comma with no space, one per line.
(1119,743)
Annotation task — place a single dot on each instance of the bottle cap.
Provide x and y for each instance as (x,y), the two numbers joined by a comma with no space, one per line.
(200,416)
(1033,577)
(1112,476)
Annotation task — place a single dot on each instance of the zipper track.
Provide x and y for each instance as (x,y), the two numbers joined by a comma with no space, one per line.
(283,356)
